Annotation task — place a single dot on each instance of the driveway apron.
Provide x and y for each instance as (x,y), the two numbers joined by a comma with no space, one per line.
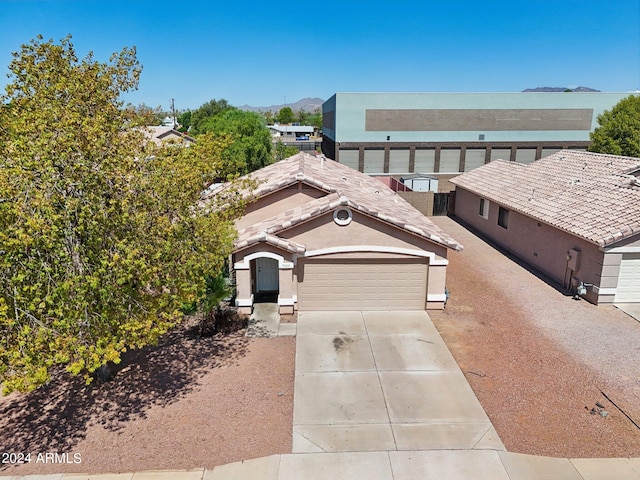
(370,381)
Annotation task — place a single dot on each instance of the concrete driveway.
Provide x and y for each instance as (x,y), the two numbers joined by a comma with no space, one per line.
(370,381)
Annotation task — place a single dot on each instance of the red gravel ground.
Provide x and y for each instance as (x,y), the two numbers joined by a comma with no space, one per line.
(189,403)
(536,359)
(534,356)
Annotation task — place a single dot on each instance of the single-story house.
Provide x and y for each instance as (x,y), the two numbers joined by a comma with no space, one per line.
(575,216)
(323,236)
(290,132)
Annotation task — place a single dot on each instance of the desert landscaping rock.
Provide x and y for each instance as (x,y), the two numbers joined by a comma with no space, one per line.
(188,403)
(545,355)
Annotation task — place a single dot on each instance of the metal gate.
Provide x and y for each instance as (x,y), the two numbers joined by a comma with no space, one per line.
(440,204)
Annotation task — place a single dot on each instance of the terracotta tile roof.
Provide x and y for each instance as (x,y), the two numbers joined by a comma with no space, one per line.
(344,187)
(591,195)
(157,134)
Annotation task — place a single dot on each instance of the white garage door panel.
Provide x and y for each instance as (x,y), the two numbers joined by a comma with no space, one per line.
(628,289)
(362,285)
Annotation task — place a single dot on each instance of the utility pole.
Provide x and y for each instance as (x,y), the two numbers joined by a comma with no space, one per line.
(173,114)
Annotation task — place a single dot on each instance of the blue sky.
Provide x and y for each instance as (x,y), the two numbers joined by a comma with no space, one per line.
(261,53)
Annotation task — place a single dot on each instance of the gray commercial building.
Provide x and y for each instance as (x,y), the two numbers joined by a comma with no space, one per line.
(444,134)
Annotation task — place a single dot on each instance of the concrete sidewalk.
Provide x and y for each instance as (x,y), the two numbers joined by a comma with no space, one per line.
(393,465)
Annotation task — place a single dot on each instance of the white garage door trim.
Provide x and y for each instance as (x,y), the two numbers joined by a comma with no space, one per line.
(433,260)
(628,289)
(362,284)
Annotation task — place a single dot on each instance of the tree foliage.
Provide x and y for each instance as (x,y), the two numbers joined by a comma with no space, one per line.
(100,244)
(143,115)
(184,119)
(268,117)
(285,115)
(282,151)
(205,112)
(619,129)
(315,119)
(251,147)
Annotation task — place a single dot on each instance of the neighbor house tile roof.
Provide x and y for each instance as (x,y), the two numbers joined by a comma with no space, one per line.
(591,195)
(159,134)
(344,187)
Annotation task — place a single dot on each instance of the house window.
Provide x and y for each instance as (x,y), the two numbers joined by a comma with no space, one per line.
(342,216)
(503,217)
(484,208)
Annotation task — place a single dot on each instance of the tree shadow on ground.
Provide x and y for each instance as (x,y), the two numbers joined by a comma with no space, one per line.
(56,416)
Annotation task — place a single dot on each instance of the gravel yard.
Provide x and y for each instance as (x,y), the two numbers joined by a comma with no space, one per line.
(537,359)
(189,403)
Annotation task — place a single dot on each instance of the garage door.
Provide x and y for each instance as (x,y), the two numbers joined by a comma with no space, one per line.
(629,279)
(362,285)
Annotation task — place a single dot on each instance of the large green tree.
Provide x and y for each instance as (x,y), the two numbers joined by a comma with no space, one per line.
(100,243)
(184,119)
(618,132)
(206,111)
(285,115)
(251,147)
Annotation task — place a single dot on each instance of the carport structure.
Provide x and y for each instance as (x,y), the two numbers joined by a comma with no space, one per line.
(318,235)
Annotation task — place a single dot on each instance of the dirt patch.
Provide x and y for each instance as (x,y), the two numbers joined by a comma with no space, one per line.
(190,402)
(513,336)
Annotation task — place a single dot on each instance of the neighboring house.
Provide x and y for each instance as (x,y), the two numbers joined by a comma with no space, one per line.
(161,135)
(443,134)
(169,122)
(291,132)
(326,237)
(575,216)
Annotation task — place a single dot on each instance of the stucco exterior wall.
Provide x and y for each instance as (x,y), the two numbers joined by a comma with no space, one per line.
(436,284)
(540,245)
(277,202)
(323,232)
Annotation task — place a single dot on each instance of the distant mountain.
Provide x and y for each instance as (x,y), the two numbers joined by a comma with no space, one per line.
(560,89)
(306,104)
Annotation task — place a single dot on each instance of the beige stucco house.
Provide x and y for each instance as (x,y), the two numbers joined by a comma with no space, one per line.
(573,215)
(323,236)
